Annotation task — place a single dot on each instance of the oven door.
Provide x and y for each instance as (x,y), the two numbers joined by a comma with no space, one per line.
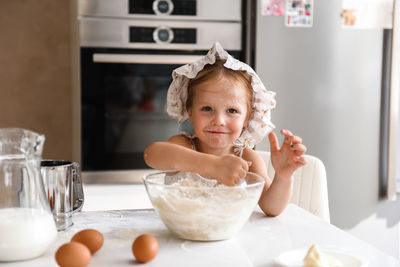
(124,105)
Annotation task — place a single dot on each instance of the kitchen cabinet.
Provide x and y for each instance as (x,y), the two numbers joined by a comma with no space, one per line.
(36,71)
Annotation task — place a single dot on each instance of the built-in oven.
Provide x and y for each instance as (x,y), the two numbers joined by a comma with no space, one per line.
(128,50)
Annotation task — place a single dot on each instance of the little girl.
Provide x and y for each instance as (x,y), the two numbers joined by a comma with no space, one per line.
(229,108)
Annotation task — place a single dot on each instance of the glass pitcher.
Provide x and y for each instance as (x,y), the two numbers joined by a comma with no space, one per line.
(27,226)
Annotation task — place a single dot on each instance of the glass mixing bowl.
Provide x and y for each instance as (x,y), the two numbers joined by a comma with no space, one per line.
(196,208)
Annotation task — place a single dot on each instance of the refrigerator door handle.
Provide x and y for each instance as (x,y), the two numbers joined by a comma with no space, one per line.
(394,98)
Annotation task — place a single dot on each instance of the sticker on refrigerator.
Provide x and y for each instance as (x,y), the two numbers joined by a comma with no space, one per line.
(362,14)
(299,13)
(272,7)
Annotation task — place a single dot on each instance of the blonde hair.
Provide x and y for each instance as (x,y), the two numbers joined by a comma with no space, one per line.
(219,70)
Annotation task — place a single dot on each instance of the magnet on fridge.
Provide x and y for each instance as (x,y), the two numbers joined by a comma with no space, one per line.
(272,7)
(372,14)
(299,13)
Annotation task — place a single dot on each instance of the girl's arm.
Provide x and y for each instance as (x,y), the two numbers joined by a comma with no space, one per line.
(285,160)
(275,198)
(177,154)
(276,193)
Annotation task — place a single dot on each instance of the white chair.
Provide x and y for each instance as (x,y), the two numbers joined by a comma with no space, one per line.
(310,190)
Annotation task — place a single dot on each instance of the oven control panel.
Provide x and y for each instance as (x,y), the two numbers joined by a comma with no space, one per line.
(162,35)
(161,24)
(157,34)
(205,10)
(163,7)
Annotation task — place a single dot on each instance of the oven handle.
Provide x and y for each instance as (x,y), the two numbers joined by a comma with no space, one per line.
(145,59)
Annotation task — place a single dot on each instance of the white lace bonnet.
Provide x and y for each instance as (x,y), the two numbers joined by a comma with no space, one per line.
(259,124)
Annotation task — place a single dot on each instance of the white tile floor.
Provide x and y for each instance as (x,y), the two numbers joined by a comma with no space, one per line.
(114,197)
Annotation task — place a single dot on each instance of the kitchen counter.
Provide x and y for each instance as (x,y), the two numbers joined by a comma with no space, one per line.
(257,244)
(100,197)
(115,177)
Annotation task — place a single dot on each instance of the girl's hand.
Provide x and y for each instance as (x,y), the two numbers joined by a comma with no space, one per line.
(229,169)
(289,157)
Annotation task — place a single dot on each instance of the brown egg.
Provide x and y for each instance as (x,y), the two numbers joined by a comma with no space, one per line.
(73,254)
(91,238)
(145,248)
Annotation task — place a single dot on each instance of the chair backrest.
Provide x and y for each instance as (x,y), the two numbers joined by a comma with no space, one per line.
(310,190)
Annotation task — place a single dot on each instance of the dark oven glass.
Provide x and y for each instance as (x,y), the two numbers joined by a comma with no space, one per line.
(123,109)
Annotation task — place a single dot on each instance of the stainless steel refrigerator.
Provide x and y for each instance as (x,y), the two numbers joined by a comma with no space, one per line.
(332,88)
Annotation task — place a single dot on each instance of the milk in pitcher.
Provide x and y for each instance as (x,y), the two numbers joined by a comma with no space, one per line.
(25,233)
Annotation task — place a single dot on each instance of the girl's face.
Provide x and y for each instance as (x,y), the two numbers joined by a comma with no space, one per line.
(218,113)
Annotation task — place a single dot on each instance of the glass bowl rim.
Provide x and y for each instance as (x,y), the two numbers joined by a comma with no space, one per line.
(256,184)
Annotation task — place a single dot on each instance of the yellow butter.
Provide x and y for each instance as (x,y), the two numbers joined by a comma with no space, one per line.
(315,258)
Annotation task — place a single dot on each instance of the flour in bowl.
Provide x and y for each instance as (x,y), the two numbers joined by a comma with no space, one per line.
(196,208)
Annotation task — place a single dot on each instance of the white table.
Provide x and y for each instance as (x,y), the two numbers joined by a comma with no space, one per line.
(100,197)
(261,239)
